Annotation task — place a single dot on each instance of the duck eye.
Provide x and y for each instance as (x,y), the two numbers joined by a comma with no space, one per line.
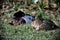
(29,18)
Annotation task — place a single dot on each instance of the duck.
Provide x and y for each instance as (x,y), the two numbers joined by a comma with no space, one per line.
(21,18)
(42,24)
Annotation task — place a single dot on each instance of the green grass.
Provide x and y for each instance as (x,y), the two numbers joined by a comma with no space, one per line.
(26,32)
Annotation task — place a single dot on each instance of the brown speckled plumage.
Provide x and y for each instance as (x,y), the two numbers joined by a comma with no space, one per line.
(39,24)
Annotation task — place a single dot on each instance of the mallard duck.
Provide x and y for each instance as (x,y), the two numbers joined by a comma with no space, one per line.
(41,24)
(21,18)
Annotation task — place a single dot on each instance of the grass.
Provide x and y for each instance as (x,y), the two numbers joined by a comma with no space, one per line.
(26,32)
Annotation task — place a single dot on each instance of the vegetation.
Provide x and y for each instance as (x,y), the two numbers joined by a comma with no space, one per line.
(26,31)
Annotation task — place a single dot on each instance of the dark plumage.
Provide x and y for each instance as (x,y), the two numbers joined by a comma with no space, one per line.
(41,24)
(19,14)
(49,25)
(20,17)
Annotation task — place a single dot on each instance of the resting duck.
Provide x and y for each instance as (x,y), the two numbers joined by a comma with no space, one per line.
(22,18)
(42,24)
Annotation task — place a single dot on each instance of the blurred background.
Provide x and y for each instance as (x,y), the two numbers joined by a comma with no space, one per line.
(49,9)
